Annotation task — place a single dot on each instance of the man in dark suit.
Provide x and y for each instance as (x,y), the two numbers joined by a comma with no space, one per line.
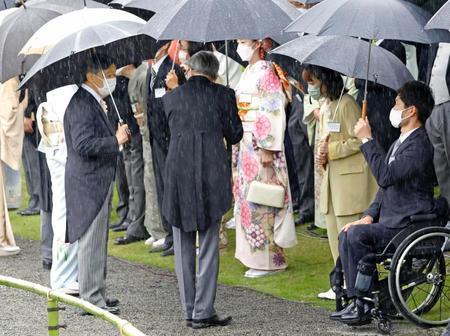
(92,150)
(159,128)
(197,192)
(406,179)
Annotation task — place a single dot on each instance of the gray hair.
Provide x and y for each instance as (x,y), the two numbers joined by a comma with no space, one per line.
(205,63)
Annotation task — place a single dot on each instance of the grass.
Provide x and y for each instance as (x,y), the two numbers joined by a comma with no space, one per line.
(309,262)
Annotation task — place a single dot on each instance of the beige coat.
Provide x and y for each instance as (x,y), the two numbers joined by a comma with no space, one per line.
(347,178)
(11,139)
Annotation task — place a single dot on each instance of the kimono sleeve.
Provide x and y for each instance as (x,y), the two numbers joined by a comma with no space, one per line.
(271,117)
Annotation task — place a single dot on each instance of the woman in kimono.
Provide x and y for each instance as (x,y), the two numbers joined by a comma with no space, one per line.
(261,231)
(11,138)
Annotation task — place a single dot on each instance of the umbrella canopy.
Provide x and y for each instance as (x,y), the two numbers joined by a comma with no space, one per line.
(349,58)
(5,4)
(55,30)
(370,19)
(206,20)
(440,20)
(15,31)
(63,64)
(309,2)
(4,14)
(150,5)
(64,6)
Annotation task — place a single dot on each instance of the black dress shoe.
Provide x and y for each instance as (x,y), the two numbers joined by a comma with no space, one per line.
(122,227)
(168,252)
(359,315)
(47,265)
(337,315)
(214,321)
(126,240)
(29,212)
(303,219)
(112,302)
(112,310)
(189,323)
(162,248)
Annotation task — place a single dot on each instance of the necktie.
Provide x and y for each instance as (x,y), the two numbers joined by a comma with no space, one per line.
(104,106)
(153,78)
(396,146)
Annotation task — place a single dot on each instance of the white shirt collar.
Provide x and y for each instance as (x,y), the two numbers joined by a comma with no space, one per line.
(404,136)
(157,65)
(92,92)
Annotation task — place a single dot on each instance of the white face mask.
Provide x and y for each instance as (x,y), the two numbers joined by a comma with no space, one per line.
(395,117)
(245,52)
(109,85)
(183,56)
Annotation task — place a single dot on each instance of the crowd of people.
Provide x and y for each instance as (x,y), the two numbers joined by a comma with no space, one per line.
(199,133)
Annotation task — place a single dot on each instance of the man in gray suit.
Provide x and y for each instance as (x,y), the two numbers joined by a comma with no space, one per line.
(197,192)
(92,150)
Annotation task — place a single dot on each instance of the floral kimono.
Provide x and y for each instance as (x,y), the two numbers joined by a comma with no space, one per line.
(261,108)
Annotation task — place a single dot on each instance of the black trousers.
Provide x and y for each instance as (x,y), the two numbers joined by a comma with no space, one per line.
(356,243)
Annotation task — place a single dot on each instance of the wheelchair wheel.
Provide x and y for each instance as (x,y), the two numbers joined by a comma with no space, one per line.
(417,279)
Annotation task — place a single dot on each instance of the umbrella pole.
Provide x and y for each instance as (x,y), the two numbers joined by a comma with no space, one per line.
(175,56)
(226,63)
(364,107)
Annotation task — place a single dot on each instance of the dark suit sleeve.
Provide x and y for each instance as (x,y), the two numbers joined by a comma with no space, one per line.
(232,125)
(81,120)
(374,209)
(410,162)
(180,74)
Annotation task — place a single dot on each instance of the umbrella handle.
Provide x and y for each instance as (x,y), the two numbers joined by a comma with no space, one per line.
(364,109)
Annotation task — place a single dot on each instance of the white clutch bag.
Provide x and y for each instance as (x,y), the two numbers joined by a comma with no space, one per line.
(266,194)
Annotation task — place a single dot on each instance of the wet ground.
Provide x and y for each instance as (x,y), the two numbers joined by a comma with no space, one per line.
(149,300)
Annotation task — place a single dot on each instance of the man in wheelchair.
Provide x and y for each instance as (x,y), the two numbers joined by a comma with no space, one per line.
(406,179)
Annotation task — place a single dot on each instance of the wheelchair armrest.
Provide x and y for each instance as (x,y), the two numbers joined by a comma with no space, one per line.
(423,218)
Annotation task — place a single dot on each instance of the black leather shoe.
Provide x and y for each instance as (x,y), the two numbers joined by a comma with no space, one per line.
(161,248)
(359,315)
(189,323)
(337,315)
(47,265)
(214,321)
(29,212)
(122,227)
(169,252)
(303,219)
(112,310)
(112,302)
(126,240)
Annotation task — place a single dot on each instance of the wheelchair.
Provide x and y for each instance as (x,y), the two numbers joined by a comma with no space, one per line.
(408,279)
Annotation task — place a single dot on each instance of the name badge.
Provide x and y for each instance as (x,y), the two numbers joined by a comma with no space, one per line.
(334,127)
(160,92)
(245,98)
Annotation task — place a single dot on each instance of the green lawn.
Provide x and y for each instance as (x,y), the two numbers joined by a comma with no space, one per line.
(309,263)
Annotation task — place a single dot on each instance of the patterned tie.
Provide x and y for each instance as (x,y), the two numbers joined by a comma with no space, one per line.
(153,78)
(104,106)
(396,146)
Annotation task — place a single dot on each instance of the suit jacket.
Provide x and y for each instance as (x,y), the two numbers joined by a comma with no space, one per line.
(197,190)
(438,128)
(347,178)
(156,118)
(406,184)
(92,151)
